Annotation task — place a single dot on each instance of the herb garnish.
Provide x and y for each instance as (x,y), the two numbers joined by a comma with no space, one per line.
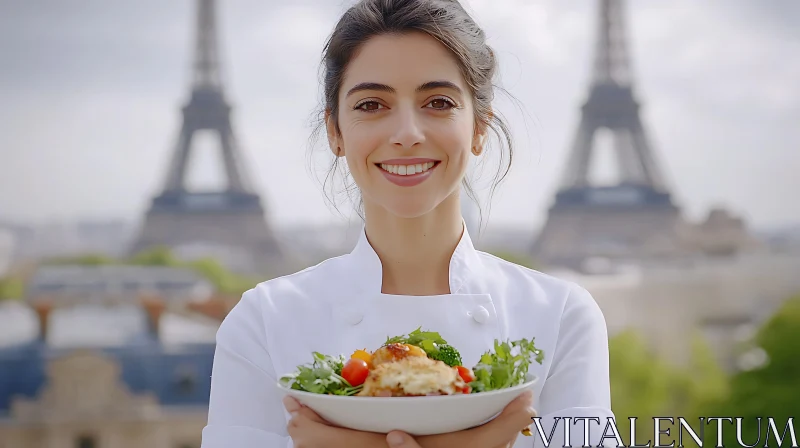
(504,368)
(432,343)
(323,376)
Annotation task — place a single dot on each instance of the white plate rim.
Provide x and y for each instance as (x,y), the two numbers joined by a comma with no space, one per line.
(302,393)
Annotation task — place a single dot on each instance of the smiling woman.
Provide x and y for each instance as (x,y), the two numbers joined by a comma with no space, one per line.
(407,103)
(451,73)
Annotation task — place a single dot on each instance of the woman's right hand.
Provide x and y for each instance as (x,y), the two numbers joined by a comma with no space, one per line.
(501,432)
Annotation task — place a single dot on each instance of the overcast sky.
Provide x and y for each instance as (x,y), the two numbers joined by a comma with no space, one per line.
(91,92)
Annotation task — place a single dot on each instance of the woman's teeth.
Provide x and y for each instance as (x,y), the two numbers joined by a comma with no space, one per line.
(407,170)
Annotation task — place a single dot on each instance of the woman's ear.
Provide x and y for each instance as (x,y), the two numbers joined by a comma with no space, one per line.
(479,140)
(481,133)
(334,141)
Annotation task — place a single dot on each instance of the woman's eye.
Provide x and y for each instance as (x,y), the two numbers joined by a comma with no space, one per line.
(369,106)
(441,104)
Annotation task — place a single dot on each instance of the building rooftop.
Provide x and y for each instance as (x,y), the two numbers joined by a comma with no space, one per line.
(115,283)
(92,325)
(172,362)
(175,377)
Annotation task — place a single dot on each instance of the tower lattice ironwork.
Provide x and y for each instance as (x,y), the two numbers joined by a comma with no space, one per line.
(634,217)
(232,219)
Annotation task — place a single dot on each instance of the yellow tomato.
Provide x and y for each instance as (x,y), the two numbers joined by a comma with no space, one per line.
(362,355)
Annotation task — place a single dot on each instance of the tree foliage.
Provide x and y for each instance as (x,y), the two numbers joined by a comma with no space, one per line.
(517,258)
(11,288)
(223,280)
(645,386)
(770,390)
(84,260)
(642,385)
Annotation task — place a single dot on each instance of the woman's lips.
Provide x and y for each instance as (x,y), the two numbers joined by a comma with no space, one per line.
(407,172)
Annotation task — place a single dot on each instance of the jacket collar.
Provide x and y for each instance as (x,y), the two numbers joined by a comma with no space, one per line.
(369,270)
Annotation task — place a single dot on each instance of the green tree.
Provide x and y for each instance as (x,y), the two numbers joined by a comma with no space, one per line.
(157,256)
(641,385)
(644,386)
(516,257)
(696,388)
(225,281)
(770,390)
(83,260)
(11,288)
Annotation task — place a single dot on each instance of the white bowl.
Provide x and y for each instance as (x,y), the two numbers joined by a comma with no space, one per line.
(417,416)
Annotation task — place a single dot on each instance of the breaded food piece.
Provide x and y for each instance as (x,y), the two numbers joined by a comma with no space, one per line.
(395,352)
(412,376)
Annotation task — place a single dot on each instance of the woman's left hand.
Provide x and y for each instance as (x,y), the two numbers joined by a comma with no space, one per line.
(306,428)
(309,430)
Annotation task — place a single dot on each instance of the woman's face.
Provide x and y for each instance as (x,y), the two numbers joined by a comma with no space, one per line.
(407,123)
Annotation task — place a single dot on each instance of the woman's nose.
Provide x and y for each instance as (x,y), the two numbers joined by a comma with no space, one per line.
(408,130)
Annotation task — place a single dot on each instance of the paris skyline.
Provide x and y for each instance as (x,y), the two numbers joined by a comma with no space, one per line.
(93,97)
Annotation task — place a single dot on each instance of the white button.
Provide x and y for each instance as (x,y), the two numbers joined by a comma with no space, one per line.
(480,315)
(354,318)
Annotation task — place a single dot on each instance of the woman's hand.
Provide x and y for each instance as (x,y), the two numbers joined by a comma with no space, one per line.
(309,430)
(305,427)
(501,432)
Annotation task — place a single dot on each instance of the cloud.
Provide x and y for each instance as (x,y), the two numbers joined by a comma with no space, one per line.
(92,95)
(538,27)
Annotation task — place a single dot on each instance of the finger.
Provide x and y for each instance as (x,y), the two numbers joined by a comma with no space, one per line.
(397,439)
(302,421)
(516,417)
(291,404)
(521,414)
(523,406)
(523,401)
(297,409)
(307,413)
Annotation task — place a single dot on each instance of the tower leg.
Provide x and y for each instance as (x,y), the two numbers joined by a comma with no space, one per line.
(177,171)
(581,159)
(235,182)
(628,161)
(646,157)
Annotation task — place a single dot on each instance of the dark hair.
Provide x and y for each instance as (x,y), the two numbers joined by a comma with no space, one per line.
(444,20)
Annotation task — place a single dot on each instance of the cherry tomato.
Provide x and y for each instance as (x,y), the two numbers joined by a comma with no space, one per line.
(466,390)
(466,374)
(355,371)
(363,355)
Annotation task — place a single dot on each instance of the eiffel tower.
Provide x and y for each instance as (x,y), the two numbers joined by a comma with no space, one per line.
(633,219)
(232,220)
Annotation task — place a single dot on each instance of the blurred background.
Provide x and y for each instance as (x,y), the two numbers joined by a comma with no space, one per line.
(156,163)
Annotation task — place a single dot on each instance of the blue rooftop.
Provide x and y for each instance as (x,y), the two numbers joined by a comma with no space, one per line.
(174,364)
(178,375)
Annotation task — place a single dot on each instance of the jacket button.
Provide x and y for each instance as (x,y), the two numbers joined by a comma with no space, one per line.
(480,315)
(354,318)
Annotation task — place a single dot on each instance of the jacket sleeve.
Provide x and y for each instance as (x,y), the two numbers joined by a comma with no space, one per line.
(577,390)
(245,407)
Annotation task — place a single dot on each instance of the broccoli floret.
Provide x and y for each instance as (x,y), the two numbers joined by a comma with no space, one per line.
(447,354)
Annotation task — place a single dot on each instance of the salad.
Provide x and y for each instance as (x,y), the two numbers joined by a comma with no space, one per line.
(420,363)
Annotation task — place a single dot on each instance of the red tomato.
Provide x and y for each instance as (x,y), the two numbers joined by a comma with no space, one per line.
(466,390)
(466,374)
(355,371)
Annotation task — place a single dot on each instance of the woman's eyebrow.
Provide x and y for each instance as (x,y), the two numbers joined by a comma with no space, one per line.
(430,85)
(438,85)
(370,86)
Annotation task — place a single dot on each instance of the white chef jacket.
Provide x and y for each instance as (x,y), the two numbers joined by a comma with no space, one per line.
(337,307)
